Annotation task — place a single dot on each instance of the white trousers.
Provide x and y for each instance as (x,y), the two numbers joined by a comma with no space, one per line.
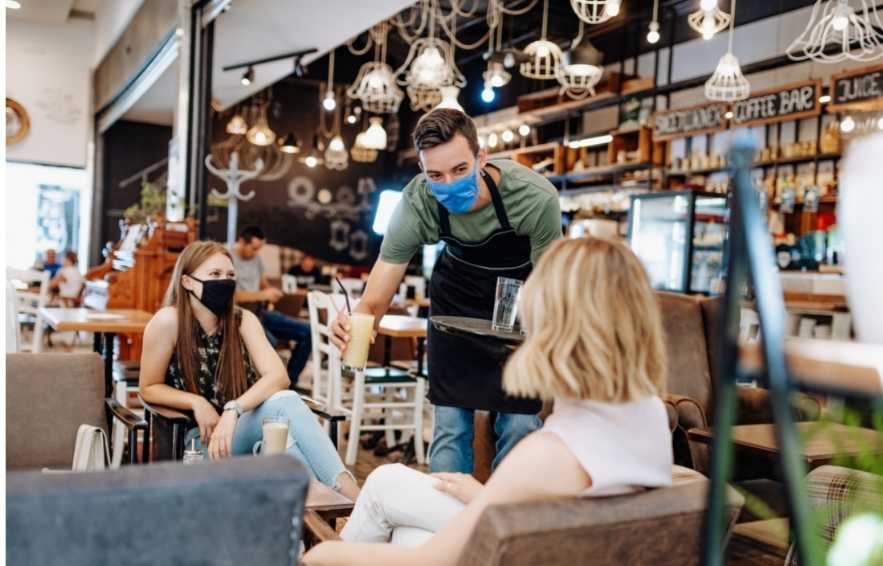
(400,505)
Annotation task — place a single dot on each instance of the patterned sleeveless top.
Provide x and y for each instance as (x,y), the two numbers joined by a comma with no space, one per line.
(209,353)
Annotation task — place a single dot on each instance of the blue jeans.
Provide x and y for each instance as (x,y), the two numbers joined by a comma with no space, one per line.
(451,448)
(286,328)
(307,440)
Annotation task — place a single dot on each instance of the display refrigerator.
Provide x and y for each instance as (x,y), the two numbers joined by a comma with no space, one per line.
(681,238)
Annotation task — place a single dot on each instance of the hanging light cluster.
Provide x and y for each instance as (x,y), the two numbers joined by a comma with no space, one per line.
(544,56)
(504,136)
(837,32)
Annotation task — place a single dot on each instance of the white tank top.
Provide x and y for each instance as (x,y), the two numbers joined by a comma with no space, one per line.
(621,446)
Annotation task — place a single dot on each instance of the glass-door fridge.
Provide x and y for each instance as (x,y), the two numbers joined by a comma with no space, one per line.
(681,237)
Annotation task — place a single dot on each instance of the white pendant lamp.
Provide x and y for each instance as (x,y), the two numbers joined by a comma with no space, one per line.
(837,32)
(449,98)
(727,83)
(375,135)
(237,125)
(260,134)
(336,155)
(709,19)
(580,68)
(375,85)
(653,28)
(544,56)
(595,11)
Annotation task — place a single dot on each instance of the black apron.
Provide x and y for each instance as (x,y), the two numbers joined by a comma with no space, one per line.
(467,372)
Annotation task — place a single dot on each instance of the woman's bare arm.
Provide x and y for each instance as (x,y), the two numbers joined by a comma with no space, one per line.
(273,376)
(160,336)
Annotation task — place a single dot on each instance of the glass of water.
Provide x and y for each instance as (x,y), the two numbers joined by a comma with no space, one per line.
(506,304)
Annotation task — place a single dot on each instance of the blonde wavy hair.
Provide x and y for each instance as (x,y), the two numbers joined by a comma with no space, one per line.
(593,327)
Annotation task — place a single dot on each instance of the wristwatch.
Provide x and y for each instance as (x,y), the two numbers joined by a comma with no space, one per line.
(233,406)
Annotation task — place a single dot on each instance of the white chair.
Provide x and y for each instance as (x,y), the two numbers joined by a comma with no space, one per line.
(326,359)
(289,284)
(418,284)
(28,303)
(364,399)
(13,330)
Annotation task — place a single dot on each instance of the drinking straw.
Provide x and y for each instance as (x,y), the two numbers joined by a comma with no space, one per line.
(346,296)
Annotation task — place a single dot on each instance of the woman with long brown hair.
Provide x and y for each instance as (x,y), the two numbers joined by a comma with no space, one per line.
(204,355)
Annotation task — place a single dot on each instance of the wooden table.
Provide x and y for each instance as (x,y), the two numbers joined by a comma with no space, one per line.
(322,508)
(826,440)
(104,324)
(398,326)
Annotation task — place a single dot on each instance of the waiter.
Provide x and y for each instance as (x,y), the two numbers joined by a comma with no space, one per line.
(496,219)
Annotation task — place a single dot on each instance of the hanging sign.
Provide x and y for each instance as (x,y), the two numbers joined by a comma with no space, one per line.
(859,89)
(689,121)
(792,102)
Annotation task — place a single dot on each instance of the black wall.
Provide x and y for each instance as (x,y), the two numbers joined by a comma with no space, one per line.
(309,225)
(128,148)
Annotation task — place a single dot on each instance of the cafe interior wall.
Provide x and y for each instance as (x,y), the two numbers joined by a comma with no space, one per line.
(288,209)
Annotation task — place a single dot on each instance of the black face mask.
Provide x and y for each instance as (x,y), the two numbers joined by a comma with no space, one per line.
(217,294)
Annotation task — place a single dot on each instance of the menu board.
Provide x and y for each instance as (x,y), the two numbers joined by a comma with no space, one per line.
(859,89)
(791,102)
(690,121)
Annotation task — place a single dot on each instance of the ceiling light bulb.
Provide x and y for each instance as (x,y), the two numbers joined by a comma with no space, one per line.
(824,99)
(612,8)
(336,144)
(542,50)
(847,125)
(708,5)
(509,60)
(653,34)
(523,130)
(488,94)
(708,26)
(841,17)
(492,140)
(507,136)
(329,103)
(311,161)
(248,77)
(497,81)
(13,4)
(728,114)
(351,119)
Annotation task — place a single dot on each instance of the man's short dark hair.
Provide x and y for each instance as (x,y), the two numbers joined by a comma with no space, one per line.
(71,256)
(441,125)
(250,232)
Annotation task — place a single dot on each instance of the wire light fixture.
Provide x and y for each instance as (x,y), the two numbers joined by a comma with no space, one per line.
(709,19)
(260,134)
(595,11)
(362,154)
(375,85)
(449,98)
(727,83)
(375,135)
(329,103)
(580,70)
(237,125)
(336,155)
(545,56)
(837,32)
(653,28)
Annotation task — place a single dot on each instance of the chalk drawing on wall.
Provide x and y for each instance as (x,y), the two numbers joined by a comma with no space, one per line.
(366,186)
(300,192)
(340,232)
(359,245)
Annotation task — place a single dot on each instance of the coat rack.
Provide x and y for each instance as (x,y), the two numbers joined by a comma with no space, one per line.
(233,176)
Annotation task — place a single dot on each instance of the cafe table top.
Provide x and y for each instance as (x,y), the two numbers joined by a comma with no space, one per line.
(822,441)
(399,326)
(325,501)
(112,320)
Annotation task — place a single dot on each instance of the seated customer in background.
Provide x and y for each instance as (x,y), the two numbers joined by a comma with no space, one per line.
(68,282)
(50,262)
(597,350)
(203,354)
(308,272)
(254,292)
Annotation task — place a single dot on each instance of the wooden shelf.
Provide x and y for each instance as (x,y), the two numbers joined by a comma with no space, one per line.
(757,165)
(540,148)
(602,171)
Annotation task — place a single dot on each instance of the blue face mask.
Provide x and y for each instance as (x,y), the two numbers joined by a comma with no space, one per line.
(459,195)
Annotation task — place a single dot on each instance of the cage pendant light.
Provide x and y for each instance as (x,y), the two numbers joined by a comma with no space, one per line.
(545,56)
(837,32)
(727,83)
(595,11)
(375,85)
(336,155)
(580,70)
(709,22)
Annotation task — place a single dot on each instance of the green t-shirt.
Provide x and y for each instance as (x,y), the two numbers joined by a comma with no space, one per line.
(530,200)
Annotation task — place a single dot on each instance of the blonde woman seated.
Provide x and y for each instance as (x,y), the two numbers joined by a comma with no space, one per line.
(204,355)
(594,345)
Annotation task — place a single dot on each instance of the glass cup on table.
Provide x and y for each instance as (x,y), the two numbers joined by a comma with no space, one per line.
(506,304)
(275,436)
(361,329)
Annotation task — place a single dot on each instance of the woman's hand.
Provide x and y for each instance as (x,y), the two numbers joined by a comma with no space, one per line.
(221,443)
(206,417)
(462,486)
